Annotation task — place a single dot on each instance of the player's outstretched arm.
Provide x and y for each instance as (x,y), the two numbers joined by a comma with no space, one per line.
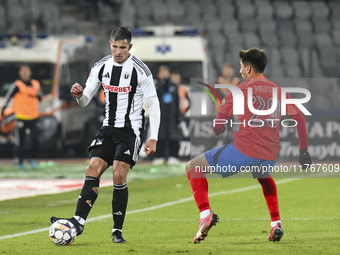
(304,159)
(154,118)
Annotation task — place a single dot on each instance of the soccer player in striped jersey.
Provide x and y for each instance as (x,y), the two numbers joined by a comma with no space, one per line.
(256,144)
(126,82)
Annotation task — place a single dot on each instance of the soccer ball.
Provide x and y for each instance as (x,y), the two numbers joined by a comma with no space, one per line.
(62,232)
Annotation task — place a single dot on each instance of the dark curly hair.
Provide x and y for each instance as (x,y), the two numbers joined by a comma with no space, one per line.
(254,57)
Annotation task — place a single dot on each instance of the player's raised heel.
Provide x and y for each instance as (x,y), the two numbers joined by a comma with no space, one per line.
(276,233)
(79,227)
(205,225)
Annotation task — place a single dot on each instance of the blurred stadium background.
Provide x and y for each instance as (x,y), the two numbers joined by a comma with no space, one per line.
(302,39)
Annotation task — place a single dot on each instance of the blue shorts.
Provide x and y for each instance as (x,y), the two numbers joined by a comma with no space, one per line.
(227,160)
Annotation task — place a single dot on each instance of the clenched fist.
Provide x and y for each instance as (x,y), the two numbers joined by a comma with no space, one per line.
(77,90)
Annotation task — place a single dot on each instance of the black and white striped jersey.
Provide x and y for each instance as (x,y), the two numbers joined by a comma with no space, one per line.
(125,86)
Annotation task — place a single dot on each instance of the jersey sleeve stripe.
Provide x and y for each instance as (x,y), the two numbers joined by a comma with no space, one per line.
(100,74)
(101,61)
(142,65)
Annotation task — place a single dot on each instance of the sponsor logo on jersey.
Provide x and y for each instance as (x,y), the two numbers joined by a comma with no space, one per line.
(107,75)
(116,89)
(127,152)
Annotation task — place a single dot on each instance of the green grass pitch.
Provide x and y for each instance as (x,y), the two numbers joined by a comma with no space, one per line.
(309,209)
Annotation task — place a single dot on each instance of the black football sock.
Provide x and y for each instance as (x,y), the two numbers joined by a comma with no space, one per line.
(87,197)
(119,204)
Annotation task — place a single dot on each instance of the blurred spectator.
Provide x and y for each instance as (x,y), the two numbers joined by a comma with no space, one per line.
(26,94)
(168,137)
(226,78)
(184,102)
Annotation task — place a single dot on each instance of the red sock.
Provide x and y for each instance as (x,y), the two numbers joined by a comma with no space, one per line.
(199,186)
(270,194)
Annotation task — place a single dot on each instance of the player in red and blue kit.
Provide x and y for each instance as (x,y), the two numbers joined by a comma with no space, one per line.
(256,144)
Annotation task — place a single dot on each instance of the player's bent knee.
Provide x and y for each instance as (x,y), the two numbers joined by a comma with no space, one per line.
(92,171)
(96,167)
(119,177)
(120,171)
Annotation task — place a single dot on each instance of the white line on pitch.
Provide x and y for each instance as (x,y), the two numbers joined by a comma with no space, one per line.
(180,201)
(242,219)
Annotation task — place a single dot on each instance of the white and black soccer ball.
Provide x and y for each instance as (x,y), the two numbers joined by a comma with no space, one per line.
(62,232)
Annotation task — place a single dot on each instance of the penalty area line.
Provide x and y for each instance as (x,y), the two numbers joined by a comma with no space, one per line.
(155,207)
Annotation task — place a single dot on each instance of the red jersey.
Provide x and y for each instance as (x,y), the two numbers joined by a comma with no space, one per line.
(258,135)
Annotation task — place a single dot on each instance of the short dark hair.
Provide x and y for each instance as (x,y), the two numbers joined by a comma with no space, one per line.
(24,65)
(163,67)
(254,57)
(121,33)
(175,72)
